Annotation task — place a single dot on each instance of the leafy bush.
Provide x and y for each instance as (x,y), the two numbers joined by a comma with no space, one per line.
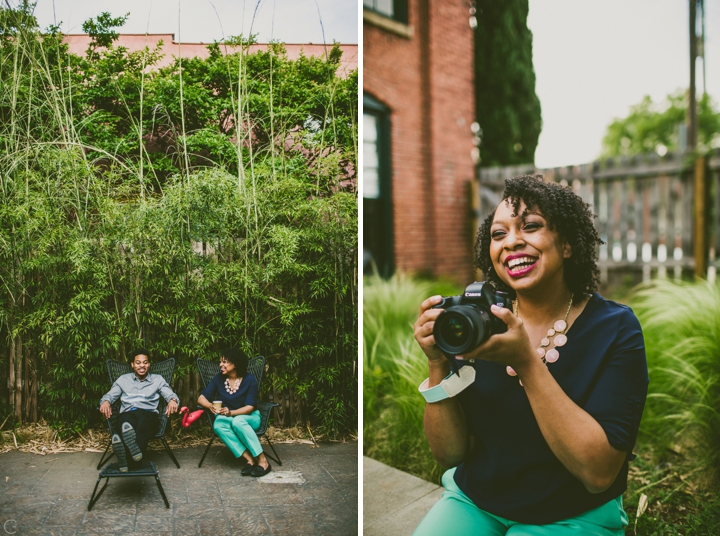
(206,204)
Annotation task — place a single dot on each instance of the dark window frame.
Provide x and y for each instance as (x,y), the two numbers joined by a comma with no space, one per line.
(400,10)
(381,112)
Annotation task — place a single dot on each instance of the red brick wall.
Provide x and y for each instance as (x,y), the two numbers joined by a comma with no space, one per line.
(430,203)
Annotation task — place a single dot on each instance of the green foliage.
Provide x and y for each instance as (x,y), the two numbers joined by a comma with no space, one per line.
(393,367)
(101,30)
(653,127)
(206,204)
(508,109)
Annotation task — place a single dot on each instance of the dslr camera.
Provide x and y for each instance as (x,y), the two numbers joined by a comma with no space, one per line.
(467,322)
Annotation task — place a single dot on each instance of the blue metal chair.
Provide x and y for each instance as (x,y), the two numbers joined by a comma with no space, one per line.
(115,369)
(256,366)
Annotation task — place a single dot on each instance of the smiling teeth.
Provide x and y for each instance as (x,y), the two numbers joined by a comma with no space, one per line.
(520,260)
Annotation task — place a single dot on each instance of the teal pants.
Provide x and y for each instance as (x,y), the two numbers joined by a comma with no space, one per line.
(455,514)
(238,433)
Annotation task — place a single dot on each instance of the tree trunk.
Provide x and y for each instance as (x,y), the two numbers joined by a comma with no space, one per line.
(31,388)
(11,370)
(18,379)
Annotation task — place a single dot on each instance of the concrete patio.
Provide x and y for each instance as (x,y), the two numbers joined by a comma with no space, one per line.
(394,502)
(314,492)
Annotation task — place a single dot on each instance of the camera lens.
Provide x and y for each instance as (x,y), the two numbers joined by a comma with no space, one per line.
(455,331)
(461,328)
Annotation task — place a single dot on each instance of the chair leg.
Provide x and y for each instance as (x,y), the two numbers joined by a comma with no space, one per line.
(206,450)
(162,491)
(277,458)
(93,498)
(170,452)
(103,459)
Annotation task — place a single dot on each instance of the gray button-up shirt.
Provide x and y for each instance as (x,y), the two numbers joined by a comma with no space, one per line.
(139,394)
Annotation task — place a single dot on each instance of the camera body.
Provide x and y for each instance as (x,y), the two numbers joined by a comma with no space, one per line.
(466,321)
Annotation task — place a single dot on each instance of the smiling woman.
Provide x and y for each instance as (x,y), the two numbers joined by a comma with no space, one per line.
(542,438)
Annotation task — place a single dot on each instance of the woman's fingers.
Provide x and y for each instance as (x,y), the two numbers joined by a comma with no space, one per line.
(507,316)
(429,303)
(509,348)
(426,320)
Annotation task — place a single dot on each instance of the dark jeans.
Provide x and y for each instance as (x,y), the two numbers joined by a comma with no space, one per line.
(144,422)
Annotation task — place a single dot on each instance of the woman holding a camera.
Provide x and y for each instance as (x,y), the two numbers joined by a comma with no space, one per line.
(538,425)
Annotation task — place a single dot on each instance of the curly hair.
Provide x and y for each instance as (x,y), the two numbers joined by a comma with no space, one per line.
(238,358)
(565,213)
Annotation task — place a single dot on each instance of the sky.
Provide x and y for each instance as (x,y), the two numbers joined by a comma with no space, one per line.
(193,21)
(594,60)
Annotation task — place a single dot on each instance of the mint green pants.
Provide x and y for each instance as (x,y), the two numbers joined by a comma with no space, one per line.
(238,433)
(456,515)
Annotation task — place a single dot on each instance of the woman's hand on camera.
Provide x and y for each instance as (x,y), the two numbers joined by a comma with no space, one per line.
(511,348)
(424,328)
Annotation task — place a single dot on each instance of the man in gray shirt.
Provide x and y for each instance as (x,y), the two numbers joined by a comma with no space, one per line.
(139,394)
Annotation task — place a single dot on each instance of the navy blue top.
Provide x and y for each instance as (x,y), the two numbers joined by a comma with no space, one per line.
(246,395)
(512,472)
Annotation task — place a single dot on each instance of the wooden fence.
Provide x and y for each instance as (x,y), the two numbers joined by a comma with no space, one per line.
(645,212)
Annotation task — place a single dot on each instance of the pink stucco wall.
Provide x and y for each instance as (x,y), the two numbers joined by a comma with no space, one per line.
(78,43)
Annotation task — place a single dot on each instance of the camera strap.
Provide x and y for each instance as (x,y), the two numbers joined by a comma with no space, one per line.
(451,385)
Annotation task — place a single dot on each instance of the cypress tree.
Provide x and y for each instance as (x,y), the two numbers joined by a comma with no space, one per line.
(507,107)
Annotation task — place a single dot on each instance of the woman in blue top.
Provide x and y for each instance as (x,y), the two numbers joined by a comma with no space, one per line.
(237,419)
(539,442)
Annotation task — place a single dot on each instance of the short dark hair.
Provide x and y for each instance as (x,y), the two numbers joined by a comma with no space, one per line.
(566,213)
(238,358)
(137,352)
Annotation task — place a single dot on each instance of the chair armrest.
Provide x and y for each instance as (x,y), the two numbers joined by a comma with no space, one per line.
(265,408)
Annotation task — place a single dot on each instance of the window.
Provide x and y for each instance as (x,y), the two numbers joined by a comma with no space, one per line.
(377,202)
(394,9)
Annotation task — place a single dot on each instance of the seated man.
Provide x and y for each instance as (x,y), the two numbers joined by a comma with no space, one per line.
(139,393)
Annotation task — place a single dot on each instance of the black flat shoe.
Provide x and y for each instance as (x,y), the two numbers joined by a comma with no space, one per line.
(259,471)
(248,469)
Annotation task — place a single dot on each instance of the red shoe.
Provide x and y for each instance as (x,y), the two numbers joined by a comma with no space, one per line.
(188,417)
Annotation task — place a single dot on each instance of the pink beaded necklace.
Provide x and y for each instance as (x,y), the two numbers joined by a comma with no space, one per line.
(556,335)
(235,385)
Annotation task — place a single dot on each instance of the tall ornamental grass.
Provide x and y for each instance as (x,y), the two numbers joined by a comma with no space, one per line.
(394,366)
(681,324)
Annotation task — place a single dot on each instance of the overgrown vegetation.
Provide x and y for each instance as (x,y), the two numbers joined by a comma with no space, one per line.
(209,203)
(678,464)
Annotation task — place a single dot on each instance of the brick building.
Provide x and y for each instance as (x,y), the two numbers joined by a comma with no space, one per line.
(418,113)
(171,49)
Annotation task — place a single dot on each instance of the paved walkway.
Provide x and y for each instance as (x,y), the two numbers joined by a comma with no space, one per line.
(48,495)
(394,502)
